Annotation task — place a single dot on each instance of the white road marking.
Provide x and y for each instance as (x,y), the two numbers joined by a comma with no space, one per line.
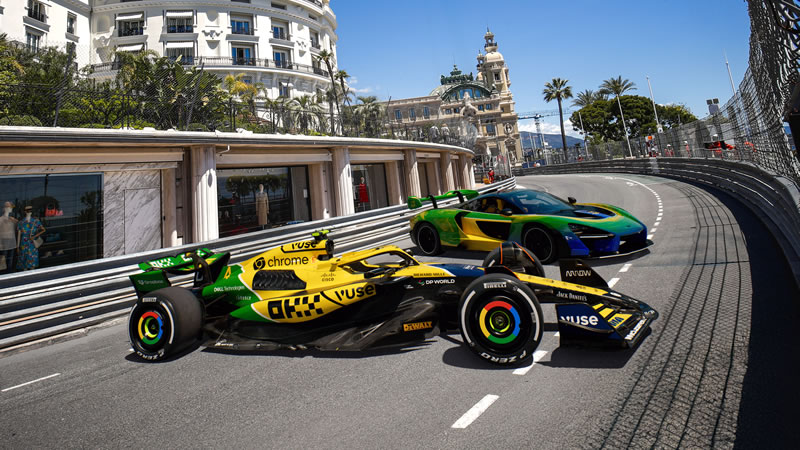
(475,411)
(30,382)
(654,230)
(661,210)
(657,224)
(612,282)
(625,268)
(556,334)
(537,356)
(649,236)
(130,349)
(659,216)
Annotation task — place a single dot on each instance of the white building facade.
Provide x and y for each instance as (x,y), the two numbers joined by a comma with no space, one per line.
(271,42)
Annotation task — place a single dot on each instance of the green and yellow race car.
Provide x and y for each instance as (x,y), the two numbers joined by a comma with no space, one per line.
(546,225)
(301,296)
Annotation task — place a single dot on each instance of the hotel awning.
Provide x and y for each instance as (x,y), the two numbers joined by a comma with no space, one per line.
(133,16)
(180,14)
(130,48)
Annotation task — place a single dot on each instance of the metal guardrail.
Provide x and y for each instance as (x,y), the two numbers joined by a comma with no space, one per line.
(775,199)
(42,303)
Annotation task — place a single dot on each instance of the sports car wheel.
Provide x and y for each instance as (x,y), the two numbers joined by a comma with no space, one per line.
(540,241)
(428,239)
(501,320)
(164,322)
(516,258)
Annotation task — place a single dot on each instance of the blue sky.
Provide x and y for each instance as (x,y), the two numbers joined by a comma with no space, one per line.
(401,48)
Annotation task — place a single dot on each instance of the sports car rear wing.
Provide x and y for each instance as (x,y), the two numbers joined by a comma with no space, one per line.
(462,194)
(203,263)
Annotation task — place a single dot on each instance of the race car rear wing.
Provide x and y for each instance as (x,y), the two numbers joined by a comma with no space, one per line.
(462,194)
(203,263)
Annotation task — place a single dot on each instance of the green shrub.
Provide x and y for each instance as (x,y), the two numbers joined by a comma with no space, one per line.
(21,121)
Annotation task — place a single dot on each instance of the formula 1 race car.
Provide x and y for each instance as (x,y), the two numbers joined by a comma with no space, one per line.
(550,227)
(301,296)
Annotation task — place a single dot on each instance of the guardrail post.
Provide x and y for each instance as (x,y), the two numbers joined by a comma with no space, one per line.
(343,182)
(411,169)
(203,168)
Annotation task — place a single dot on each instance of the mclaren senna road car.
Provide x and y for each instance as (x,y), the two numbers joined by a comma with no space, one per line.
(301,296)
(546,225)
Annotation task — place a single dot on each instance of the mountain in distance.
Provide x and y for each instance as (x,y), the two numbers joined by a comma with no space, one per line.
(553,140)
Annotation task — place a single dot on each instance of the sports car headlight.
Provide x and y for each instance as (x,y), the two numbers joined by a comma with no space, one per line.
(582,231)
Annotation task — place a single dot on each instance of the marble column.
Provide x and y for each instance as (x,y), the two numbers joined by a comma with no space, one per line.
(343,182)
(446,167)
(203,173)
(320,193)
(434,181)
(393,183)
(465,163)
(169,227)
(411,173)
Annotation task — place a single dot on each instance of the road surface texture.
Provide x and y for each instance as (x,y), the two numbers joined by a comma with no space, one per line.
(717,370)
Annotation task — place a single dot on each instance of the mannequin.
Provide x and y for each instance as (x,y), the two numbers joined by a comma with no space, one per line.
(8,241)
(262,206)
(28,229)
(363,194)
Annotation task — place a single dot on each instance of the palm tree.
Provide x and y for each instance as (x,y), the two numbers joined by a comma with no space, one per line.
(327,57)
(618,86)
(305,110)
(587,97)
(342,76)
(558,90)
(369,112)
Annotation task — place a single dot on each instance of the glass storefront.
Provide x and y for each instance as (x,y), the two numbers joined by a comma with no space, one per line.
(254,199)
(69,208)
(369,190)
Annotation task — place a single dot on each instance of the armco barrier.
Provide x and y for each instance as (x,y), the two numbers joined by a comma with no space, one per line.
(774,199)
(42,303)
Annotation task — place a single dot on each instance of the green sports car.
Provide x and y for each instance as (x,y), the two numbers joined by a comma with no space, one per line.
(543,223)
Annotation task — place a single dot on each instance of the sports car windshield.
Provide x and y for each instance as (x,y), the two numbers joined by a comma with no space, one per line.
(535,202)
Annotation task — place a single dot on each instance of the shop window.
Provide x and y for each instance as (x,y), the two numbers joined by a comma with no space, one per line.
(69,207)
(258,198)
(72,19)
(398,115)
(426,112)
(369,190)
(412,114)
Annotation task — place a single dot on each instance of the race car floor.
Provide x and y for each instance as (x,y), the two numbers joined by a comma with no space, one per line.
(717,370)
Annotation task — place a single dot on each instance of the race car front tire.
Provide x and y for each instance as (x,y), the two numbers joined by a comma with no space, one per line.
(501,320)
(428,241)
(164,322)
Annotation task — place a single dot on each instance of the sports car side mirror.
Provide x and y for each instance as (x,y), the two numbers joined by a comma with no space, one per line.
(506,212)
(571,200)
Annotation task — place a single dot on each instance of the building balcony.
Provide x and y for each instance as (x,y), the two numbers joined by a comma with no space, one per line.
(243,31)
(316,2)
(281,35)
(210,62)
(37,16)
(180,29)
(130,32)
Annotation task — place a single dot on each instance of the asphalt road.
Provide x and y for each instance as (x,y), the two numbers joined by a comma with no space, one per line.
(717,370)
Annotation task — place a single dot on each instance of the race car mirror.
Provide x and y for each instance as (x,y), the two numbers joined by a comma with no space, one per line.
(507,212)
(572,200)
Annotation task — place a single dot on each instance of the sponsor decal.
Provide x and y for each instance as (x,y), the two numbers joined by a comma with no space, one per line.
(495,285)
(158,354)
(294,307)
(146,282)
(228,288)
(280,262)
(259,264)
(581,320)
(163,262)
(328,276)
(149,300)
(635,330)
(306,245)
(355,293)
(417,326)
(438,281)
(571,296)
(579,273)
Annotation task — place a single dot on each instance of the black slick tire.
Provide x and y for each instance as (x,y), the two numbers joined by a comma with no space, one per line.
(427,237)
(501,320)
(541,242)
(164,322)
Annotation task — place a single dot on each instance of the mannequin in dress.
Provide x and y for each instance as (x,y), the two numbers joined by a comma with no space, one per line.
(8,239)
(28,229)
(262,206)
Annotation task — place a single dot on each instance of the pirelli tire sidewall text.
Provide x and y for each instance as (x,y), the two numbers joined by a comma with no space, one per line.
(501,319)
(164,322)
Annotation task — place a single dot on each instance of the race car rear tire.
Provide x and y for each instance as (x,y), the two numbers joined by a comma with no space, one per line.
(427,237)
(516,258)
(501,320)
(541,242)
(164,322)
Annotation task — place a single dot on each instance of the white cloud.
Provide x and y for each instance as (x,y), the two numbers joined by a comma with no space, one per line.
(550,128)
(365,90)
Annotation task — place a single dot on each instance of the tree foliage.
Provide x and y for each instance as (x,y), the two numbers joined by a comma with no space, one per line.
(602,118)
(557,89)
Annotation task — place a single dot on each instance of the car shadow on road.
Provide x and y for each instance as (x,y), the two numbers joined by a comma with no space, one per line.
(324,354)
(576,357)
